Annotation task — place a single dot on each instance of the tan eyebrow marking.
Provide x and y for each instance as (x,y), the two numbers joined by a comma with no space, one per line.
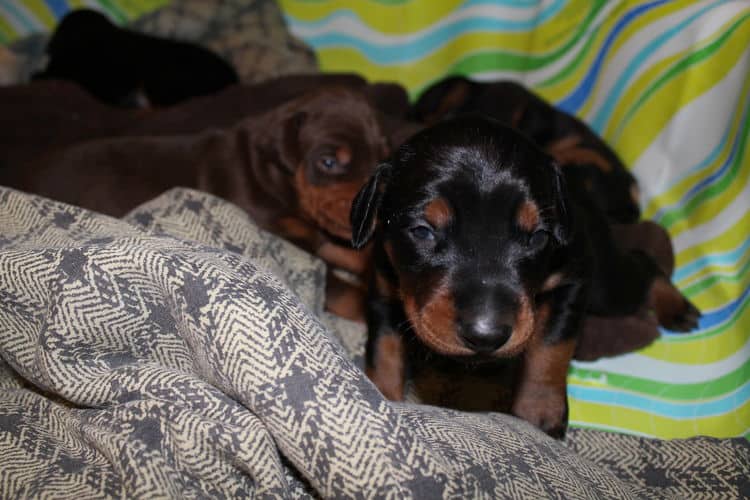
(438,213)
(528,216)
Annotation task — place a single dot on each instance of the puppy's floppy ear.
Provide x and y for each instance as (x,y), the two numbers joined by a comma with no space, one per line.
(288,142)
(563,228)
(442,100)
(365,206)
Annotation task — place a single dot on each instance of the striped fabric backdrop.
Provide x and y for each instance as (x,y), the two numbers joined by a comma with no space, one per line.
(22,17)
(667,83)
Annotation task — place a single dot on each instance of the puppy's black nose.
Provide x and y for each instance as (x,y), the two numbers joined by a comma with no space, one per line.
(485,334)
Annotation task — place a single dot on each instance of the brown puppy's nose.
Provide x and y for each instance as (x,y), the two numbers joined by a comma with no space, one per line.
(486,333)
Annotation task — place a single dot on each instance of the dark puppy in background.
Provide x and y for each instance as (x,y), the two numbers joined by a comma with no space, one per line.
(295,169)
(126,68)
(47,115)
(484,258)
(587,160)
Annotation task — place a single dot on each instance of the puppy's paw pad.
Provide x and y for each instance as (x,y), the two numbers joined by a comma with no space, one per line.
(672,309)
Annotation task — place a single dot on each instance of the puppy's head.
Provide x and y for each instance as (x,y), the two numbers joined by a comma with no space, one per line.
(471,216)
(329,141)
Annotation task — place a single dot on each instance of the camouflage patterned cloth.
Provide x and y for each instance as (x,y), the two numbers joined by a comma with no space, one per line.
(250,34)
(183,353)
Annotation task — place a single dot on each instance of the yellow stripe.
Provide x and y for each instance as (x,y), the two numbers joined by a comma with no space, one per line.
(702,351)
(651,17)
(415,75)
(726,242)
(676,192)
(558,91)
(653,116)
(41,12)
(407,18)
(720,293)
(710,208)
(634,90)
(730,424)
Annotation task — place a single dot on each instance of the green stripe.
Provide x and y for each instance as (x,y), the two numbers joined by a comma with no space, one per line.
(662,390)
(670,217)
(503,60)
(718,330)
(712,279)
(7,33)
(573,65)
(692,59)
(114,11)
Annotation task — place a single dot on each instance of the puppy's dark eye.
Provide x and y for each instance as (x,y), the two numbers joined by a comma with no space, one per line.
(329,164)
(422,233)
(539,239)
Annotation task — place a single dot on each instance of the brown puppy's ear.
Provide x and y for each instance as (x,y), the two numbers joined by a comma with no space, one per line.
(289,150)
(562,230)
(365,206)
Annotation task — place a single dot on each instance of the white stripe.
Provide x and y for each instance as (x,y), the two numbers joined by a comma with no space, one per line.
(717,226)
(638,365)
(691,134)
(699,29)
(533,78)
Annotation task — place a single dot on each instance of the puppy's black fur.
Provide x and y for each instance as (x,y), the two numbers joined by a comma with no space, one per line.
(588,161)
(484,255)
(122,67)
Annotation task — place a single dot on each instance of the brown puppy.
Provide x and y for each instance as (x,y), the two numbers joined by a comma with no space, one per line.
(47,115)
(294,169)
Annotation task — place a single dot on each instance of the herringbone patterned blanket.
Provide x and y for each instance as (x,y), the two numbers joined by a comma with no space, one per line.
(184,353)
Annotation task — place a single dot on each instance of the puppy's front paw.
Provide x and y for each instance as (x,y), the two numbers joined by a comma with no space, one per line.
(672,309)
(546,408)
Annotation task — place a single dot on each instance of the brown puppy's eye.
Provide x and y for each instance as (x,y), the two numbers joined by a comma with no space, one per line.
(329,164)
(539,239)
(422,233)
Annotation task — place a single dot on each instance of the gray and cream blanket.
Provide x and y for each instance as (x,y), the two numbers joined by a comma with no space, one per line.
(184,353)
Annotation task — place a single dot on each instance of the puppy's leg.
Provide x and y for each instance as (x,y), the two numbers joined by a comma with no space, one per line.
(541,394)
(625,282)
(386,365)
(385,355)
(345,297)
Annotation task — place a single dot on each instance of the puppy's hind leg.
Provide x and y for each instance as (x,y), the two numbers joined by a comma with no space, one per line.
(624,282)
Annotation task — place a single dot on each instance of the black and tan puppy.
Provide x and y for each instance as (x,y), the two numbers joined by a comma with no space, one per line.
(587,159)
(484,256)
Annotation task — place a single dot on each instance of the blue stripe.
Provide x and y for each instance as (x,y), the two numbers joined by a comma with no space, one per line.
(573,102)
(717,317)
(58,7)
(728,258)
(708,180)
(398,52)
(614,95)
(675,410)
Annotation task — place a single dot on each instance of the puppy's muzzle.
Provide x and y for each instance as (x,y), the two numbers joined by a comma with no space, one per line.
(485,333)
